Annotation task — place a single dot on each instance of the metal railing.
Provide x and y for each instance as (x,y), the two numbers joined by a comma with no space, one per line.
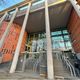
(67,63)
(32,60)
(59,56)
(69,66)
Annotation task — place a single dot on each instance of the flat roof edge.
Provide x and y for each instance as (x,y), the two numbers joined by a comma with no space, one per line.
(25,3)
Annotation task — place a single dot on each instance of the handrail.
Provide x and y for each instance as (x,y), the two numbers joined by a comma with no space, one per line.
(63,58)
(38,60)
(70,66)
(67,63)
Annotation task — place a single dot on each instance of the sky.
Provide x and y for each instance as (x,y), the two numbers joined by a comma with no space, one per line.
(8,3)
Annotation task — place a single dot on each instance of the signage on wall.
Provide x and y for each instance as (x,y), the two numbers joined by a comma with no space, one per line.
(76,5)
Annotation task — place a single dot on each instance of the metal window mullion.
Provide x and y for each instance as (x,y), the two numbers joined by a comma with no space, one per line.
(17,51)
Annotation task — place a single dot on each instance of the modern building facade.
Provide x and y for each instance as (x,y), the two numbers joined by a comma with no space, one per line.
(57,20)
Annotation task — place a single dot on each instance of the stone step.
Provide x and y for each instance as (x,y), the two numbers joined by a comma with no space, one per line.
(59,69)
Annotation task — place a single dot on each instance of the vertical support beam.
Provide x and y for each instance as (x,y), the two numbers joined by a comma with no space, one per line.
(16,55)
(50,70)
(76,6)
(2,19)
(8,28)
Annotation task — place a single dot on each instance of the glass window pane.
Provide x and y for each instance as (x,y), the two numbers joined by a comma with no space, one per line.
(58,41)
(24,7)
(36,3)
(68,44)
(56,33)
(66,37)
(62,45)
(11,12)
(65,31)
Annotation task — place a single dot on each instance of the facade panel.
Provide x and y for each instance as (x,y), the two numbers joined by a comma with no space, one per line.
(11,40)
(74,30)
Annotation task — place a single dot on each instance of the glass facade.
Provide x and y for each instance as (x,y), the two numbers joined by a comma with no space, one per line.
(61,40)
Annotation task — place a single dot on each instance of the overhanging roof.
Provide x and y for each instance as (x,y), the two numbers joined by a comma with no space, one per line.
(59,16)
(59,11)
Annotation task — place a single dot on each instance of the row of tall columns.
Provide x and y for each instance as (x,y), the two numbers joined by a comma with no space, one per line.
(50,70)
(17,51)
(8,28)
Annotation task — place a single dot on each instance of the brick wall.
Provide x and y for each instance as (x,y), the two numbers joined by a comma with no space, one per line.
(74,30)
(11,40)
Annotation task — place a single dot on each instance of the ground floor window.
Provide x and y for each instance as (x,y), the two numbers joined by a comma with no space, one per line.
(60,40)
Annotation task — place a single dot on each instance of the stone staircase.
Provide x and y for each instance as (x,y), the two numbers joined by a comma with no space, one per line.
(60,71)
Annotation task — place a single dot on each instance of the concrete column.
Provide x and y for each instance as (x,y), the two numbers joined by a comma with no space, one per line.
(50,70)
(16,55)
(76,6)
(2,19)
(8,29)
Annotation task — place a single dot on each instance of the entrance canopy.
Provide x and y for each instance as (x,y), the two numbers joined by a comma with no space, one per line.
(59,16)
(59,12)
